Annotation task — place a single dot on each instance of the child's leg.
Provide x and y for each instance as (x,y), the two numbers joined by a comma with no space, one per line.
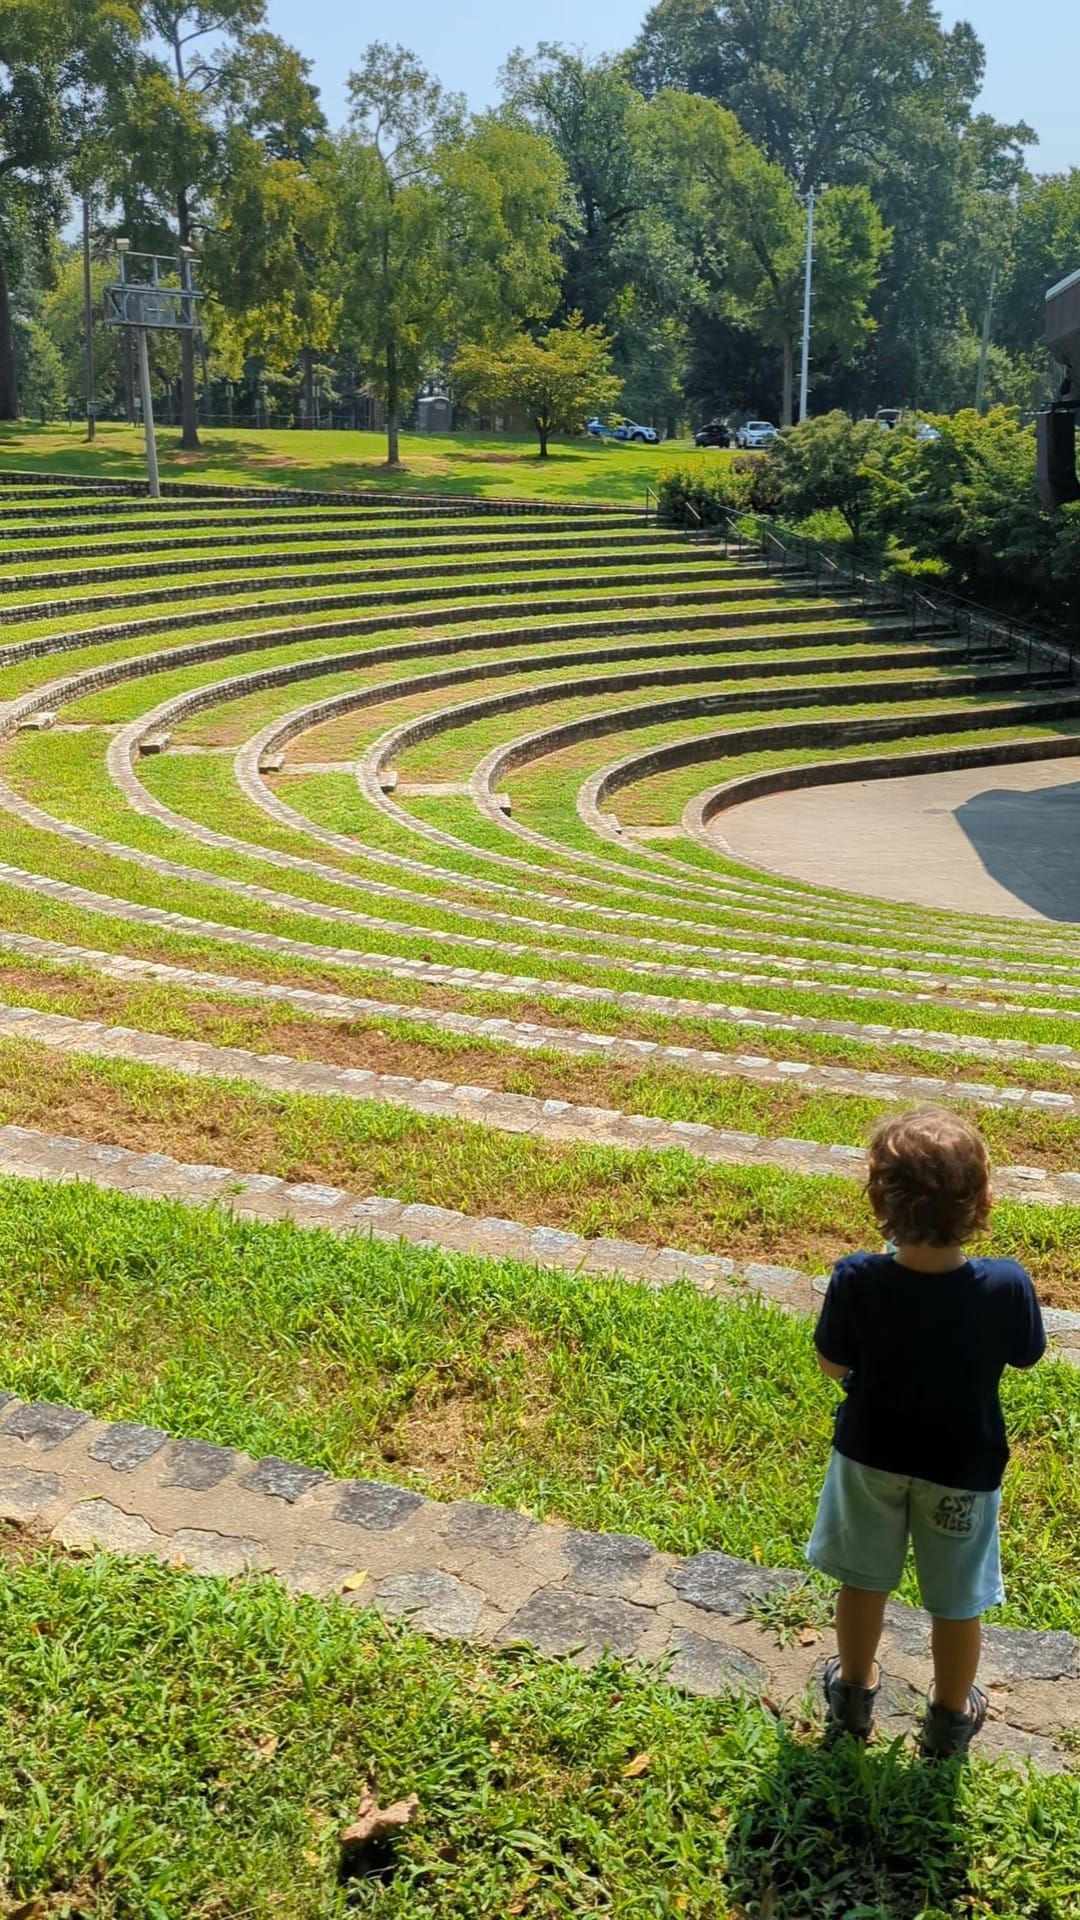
(859,1539)
(957,1645)
(860,1616)
(955,1535)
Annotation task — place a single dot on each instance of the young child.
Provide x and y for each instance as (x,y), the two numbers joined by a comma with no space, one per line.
(920,1336)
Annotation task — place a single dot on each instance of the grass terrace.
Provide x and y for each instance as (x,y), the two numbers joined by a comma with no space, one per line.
(307,795)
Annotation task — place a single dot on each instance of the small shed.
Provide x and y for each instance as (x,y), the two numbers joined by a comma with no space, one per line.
(435,413)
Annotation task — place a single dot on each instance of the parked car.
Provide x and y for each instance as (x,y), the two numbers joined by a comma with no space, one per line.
(757,433)
(630,430)
(925,432)
(716,434)
(621,429)
(889,416)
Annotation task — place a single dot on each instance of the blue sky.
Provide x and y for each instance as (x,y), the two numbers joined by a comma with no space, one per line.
(1032,49)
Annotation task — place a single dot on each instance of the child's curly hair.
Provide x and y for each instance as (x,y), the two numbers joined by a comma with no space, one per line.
(928,1179)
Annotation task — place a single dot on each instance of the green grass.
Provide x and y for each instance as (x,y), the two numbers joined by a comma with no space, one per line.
(181,1749)
(412,1046)
(490,467)
(693,1422)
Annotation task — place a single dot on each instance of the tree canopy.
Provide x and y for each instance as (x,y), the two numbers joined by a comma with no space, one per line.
(556,381)
(660,193)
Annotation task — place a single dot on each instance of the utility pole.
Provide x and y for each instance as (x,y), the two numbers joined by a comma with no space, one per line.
(808,281)
(984,350)
(88,321)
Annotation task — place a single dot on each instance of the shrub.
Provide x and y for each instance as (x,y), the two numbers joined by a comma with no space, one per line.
(968,499)
(710,484)
(831,462)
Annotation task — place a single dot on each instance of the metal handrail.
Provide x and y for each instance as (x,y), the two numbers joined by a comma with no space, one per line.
(979,627)
(937,613)
(655,498)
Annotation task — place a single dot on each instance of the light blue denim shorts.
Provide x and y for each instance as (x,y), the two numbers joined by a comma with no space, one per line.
(866,1517)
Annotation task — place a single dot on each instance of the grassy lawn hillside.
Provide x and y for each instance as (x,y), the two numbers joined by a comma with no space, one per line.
(484,466)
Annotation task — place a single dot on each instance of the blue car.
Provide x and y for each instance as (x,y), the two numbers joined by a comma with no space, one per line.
(622,430)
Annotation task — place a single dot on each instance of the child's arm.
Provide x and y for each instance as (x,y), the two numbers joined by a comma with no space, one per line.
(1028,1342)
(831,1368)
(833,1334)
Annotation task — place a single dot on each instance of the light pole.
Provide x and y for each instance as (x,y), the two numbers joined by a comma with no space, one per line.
(88,320)
(984,348)
(808,282)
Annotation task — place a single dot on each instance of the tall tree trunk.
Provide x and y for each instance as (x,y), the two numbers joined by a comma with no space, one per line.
(189,418)
(307,387)
(543,430)
(393,406)
(9,390)
(787,410)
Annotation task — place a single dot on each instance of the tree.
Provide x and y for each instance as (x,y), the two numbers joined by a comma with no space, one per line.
(557,381)
(1045,246)
(830,462)
(871,93)
(587,109)
(745,227)
(264,255)
(443,228)
(622,269)
(63,317)
(174,129)
(816,84)
(53,53)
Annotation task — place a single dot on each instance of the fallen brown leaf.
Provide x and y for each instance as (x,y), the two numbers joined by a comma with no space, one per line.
(368,1846)
(639,1764)
(375,1823)
(809,1637)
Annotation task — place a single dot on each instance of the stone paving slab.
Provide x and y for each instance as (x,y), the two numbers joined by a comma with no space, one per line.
(28,1153)
(464,1570)
(555,1120)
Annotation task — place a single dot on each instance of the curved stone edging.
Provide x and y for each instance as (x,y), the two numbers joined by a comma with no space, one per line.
(122,966)
(755,786)
(552,1121)
(470,1570)
(401,586)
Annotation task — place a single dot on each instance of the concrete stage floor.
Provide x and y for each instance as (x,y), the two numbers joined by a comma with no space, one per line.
(999,840)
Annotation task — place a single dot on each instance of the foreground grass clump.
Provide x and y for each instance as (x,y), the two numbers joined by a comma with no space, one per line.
(174,1748)
(694,1422)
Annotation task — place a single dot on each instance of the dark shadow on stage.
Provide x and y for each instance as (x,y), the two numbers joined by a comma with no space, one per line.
(1030,844)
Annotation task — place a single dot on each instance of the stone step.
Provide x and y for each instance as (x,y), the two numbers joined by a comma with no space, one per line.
(491,980)
(467,1570)
(562,1121)
(28,1153)
(528,1034)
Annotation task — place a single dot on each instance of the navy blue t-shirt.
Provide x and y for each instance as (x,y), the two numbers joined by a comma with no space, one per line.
(925,1353)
